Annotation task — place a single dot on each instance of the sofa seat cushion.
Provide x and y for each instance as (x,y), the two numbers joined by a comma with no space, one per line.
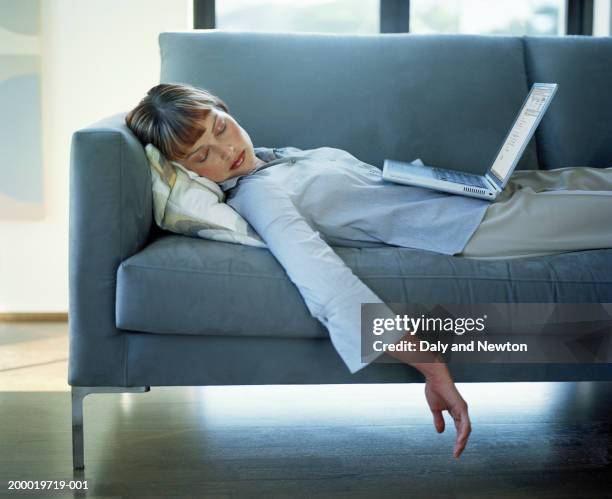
(184,285)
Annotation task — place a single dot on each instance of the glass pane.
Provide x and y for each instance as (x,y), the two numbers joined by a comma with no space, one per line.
(499,17)
(602,18)
(332,16)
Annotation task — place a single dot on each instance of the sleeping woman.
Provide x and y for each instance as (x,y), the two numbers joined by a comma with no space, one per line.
(302,201)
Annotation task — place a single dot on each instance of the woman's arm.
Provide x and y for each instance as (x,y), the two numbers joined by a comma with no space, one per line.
(333,293)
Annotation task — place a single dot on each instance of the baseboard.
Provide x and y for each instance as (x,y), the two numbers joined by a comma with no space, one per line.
(34,317)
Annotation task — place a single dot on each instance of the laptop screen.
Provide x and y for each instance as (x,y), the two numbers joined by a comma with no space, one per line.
(527,121)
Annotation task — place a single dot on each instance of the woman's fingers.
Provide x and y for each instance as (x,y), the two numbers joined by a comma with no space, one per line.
(438,420)
(445,397)
(463,426)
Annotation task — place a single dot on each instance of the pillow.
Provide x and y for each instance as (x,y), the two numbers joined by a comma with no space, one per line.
(188,204)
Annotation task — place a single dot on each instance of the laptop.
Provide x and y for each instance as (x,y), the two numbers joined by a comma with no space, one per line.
(492,183)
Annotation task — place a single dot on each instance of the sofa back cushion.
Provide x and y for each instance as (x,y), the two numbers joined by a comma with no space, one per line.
(577,129)
(447,99)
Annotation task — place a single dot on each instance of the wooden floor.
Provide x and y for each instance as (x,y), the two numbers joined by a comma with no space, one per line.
(540,440)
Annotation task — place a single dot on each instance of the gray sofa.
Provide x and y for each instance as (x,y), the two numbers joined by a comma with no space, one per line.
(151,308)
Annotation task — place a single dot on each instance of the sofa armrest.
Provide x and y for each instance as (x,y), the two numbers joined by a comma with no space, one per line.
(110,220)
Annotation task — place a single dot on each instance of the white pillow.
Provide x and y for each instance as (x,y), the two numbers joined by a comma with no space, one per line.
(188,204)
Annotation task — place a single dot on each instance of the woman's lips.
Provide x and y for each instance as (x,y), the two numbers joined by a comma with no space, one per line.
(239,161)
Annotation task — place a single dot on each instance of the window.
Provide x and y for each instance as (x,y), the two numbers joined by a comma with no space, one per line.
(602,18)
(499,17)
(487,17)
(334,16)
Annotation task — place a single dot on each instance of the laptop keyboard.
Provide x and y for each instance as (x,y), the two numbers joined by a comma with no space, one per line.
(459,177)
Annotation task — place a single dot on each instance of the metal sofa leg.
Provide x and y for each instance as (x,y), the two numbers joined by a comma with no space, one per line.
(78,394)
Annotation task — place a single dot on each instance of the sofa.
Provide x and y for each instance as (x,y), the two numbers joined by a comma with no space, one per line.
(151,308)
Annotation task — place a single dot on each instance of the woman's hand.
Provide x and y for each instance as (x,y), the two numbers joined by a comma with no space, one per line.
(442,395)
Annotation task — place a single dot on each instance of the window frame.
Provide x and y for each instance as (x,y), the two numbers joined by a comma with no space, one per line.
(579,18)
(204,16)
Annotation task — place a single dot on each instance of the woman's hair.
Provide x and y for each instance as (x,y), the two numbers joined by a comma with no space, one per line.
(171,117)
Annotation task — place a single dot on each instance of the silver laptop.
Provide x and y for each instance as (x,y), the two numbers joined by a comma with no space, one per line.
(492,183)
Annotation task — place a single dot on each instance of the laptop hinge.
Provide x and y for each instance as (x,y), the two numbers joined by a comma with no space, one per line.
(492,182)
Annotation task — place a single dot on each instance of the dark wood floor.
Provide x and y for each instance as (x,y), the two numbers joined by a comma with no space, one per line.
(540,440)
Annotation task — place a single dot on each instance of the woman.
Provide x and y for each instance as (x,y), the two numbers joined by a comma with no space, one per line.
(300,202)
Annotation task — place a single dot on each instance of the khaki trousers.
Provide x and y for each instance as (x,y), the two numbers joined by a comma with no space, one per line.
(545,212)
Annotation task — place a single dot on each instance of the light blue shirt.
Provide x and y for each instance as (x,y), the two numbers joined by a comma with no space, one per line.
(302,201)
(350,204)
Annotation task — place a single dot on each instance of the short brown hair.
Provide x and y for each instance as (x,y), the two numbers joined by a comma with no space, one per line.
(171,117)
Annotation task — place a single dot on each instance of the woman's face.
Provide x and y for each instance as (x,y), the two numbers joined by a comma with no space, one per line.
(223,151)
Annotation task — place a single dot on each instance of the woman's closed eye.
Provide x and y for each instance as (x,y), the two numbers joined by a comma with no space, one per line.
(218,133)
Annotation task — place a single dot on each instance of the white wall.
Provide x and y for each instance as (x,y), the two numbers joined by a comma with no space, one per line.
(99,57)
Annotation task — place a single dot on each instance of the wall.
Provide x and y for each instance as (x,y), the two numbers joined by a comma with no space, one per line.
(99,57)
